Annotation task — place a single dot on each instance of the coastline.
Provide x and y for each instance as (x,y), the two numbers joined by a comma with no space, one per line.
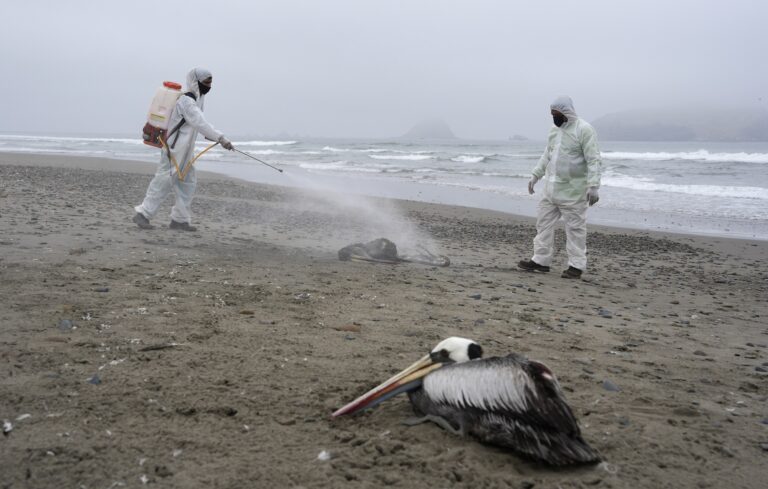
(143,167)
(214,358)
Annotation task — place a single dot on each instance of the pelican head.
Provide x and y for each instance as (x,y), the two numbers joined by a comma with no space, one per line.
(450,350)
(455,350)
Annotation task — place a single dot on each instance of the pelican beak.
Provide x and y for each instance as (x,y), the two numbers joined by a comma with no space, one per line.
(407,380)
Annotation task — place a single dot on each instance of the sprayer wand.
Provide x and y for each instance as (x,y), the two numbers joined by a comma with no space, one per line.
(253,157)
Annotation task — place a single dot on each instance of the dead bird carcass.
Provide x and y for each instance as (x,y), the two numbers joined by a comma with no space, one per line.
(383,250)
(508,401)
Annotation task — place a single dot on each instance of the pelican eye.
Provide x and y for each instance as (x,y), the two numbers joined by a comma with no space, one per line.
(441,356)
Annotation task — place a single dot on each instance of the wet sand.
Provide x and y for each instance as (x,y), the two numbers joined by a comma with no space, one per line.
(214,358)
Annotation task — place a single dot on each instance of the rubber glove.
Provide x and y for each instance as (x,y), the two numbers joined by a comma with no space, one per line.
(533,181)
(226,143)
(592,195)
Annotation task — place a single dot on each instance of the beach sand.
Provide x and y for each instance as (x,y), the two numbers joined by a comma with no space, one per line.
(214,358)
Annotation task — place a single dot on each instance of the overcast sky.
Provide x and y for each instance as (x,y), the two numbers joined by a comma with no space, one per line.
(360,68)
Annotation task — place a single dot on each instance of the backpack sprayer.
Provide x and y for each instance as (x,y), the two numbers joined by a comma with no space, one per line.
(155,132)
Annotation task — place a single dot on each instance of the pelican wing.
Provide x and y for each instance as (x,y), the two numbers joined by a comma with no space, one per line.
(510,388)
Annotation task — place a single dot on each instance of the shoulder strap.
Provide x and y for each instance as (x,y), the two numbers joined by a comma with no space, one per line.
(181,122)
(174,130)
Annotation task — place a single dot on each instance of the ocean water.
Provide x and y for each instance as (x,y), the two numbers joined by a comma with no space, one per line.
(688,187)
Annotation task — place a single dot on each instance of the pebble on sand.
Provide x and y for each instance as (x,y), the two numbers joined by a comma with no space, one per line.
(324,456)
(65,325)
(624,421)
(610,386)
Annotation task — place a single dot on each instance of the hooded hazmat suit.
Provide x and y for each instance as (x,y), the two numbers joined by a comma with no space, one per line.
(569,167)
(183,142)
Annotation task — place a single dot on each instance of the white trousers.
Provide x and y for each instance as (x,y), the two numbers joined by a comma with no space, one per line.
(575,217)
(163,184)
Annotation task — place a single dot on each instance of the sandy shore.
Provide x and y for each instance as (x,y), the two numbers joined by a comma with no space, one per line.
(213,358)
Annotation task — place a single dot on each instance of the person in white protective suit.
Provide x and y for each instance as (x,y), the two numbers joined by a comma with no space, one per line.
(570,169)
(188,116)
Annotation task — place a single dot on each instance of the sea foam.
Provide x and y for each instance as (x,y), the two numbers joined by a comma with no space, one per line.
(409,157)
(469,159)
(71,139)
(265,143)
(648,185)
(700,155)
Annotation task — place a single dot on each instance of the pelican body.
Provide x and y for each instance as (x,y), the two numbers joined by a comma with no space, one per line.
(507,401)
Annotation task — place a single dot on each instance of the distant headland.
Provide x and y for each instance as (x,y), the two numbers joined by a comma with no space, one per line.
(684,125)
(430,129)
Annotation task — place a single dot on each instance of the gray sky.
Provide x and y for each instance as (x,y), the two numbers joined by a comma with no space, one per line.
(362,68)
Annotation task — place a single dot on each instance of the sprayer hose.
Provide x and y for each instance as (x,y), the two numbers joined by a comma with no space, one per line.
(183,174)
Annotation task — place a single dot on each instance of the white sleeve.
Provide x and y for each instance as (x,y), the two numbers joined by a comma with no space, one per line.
(541,167)
(195,118)
(592,156)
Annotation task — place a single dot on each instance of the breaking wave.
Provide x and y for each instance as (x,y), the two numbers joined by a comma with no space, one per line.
(266,152)
(367,150)
(469,159)
(700,155)
(648,185)
(71,139)
(342,165)
(409,157)
(266,143)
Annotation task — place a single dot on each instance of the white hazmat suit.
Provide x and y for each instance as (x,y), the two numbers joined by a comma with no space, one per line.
(183,146)
(570,169)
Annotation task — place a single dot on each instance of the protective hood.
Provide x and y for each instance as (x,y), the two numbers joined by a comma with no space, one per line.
(564,105)
(193,77)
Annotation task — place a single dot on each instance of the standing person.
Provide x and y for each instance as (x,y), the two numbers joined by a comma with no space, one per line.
(188,115)
(571,168)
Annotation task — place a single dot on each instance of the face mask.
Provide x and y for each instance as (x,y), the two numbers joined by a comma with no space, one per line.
(559,119)
(203,88)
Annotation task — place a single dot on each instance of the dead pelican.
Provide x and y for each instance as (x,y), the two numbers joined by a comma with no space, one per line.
(383,250)
(507,401)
